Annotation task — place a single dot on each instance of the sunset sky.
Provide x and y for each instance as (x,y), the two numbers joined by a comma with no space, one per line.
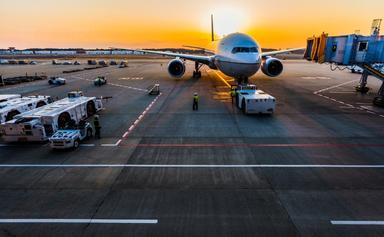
(170,23)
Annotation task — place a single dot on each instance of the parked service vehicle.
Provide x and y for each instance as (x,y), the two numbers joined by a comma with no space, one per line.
(123,64)
(99,81)
(41,123)
(12,107)
(253,101)
(76,63)
(92,62)
(57,81)
(71,137)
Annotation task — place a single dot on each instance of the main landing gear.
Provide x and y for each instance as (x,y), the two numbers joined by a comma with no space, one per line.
(197,72)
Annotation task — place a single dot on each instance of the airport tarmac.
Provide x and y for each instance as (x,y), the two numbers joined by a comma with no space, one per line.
(314,168)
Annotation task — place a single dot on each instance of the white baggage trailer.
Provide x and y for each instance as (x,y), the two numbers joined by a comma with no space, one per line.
(40,124)
(5,97)
(253,101)
(12,107)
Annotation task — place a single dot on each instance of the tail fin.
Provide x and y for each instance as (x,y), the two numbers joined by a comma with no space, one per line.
(212,30)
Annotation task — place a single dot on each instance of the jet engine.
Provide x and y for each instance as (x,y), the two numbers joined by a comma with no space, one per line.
(272,67)
(176,68)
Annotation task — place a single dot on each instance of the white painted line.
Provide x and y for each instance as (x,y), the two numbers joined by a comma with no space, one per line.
(118,142)
(108,145)
(78,221)
(225,82)
(186,166)
(333,222)
(87,145)
(125,135)
(332,87)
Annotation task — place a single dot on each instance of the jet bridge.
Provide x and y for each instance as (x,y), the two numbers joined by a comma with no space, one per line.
(351,50)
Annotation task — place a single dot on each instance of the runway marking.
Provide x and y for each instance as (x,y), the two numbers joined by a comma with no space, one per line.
(344,222)
(226,83)
(335,86)
(316,78)
(78,221)
(302,145)
(141,116)
(114,84)
(188,166)
(87,145)
(131,78)
(341,102)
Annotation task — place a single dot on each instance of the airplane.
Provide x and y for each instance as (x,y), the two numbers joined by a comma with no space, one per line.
(238,55)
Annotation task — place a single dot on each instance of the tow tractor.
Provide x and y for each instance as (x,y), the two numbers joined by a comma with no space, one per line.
(99,81)
(253,101)
(56,81)
(71,137)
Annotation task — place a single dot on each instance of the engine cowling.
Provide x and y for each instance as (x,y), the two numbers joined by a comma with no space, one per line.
(272,67)
(176,68)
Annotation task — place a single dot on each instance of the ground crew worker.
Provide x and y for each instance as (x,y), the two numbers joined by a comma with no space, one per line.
(195,101)
(232,93)
(97,126)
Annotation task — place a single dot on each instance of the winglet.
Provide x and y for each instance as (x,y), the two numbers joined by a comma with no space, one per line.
(212,30)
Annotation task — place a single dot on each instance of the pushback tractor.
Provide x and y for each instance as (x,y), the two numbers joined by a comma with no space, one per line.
(253,101)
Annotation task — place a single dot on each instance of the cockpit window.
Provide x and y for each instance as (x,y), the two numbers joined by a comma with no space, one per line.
(244,50)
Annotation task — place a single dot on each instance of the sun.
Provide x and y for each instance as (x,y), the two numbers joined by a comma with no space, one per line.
(228,20)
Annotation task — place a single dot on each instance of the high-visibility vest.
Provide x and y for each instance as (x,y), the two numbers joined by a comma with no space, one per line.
(196,98)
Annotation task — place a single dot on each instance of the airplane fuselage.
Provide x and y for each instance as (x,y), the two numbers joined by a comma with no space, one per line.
(238,55)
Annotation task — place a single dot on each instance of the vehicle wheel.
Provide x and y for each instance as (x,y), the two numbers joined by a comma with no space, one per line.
(378,101)
(194,74)
(199,75)
(89,133)
(76,143)
(353,71)
(50,82)
(11,114)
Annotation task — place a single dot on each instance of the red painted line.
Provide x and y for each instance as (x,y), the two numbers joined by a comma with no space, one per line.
(300,145)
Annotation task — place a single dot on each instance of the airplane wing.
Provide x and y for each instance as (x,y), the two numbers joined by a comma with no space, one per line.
(197,58)
(266,54)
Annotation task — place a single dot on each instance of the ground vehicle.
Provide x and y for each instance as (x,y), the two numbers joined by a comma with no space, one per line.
(99,81)
(76,63)
(92,62)
(41,123)
(123,64)
(12,107)
(253,101)
(71,137)
(112,62)
(56,81)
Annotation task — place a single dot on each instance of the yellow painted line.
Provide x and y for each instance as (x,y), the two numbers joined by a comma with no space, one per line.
(226,83)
